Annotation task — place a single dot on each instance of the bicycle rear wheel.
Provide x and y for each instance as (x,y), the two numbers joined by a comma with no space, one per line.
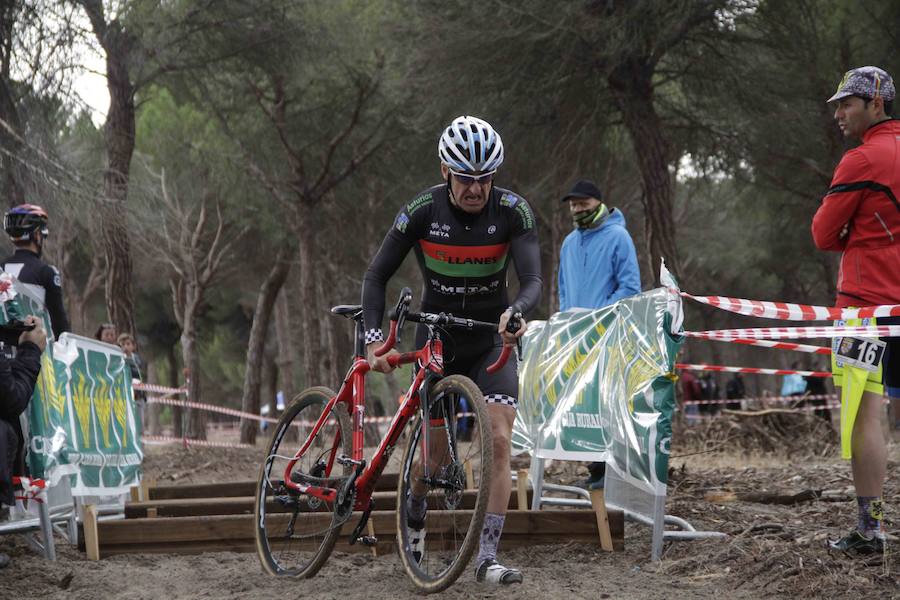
(295,532)
(455,487)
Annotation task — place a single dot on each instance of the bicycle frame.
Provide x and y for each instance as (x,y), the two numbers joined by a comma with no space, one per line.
(352,395)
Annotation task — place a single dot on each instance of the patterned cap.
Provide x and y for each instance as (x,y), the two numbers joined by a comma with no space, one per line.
(866,82)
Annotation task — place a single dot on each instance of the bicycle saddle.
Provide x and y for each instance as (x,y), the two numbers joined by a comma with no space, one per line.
(351,311)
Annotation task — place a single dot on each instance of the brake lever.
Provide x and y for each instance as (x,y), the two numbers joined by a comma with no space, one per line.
(513,326)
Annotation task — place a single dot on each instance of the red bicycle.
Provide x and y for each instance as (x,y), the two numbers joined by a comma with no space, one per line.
(314,477)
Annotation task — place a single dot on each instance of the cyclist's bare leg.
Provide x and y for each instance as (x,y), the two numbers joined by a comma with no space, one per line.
(502,419)
(487,568)
(437,458)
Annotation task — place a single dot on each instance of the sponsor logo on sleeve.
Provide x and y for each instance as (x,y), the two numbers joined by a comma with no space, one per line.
(402,222)
(423,200)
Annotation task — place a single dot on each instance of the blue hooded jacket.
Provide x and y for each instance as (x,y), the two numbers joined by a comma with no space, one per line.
(598,266)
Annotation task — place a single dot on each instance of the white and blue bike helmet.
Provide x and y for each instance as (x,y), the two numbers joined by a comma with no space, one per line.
(471,145)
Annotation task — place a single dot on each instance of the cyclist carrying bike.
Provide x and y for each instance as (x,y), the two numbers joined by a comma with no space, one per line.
(464,232)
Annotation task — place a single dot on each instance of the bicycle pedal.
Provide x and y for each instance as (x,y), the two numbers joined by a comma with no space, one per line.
(369,540)
(348,462)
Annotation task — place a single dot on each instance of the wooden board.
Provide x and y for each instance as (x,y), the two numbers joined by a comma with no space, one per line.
(195,507)
(387,481)
(235,532)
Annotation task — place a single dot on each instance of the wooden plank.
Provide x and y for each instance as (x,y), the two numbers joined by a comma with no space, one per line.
(559,523)
(191,507)
(598,503)
(470,475)
(522,489)
(222,489)
(91,534)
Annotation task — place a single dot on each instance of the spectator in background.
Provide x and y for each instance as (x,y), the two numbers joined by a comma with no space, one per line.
(816,387)
(735,390)
(709,388)
(597,265)
(132,358)
(17,379)
(690,392)
(859,218)
(106,333)
(26,225)
(793,385)
(597,262)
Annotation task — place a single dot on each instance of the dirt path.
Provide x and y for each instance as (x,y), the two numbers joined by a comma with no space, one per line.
(775,551)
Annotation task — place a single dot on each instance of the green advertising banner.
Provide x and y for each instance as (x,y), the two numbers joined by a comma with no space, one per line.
(82,421)
(598,385)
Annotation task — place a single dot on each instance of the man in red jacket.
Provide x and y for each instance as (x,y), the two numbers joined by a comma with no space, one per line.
(860,216)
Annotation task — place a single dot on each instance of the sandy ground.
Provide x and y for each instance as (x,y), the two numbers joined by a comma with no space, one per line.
(774,551)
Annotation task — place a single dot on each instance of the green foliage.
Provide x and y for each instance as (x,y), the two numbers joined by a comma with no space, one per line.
(247,98)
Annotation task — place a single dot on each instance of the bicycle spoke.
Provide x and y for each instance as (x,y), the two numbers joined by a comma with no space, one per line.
(295,531)
(455,484)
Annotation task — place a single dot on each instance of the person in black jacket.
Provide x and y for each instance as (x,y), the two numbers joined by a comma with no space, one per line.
(17,380)
(26,225)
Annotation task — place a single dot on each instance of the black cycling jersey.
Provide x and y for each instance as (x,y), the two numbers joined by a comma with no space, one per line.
(463,257)
(27,267)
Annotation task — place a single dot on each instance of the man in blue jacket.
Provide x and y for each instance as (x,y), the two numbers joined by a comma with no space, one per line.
(597,265)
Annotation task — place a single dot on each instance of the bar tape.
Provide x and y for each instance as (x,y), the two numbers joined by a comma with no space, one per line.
(755,370)
(793,312)
(788,333)
(783,345)
(765,399)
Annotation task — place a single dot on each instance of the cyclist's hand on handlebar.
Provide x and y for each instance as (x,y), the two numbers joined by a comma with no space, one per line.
(509,339)
(379,363)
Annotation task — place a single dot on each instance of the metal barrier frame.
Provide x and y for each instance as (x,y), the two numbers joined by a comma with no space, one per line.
(657,523)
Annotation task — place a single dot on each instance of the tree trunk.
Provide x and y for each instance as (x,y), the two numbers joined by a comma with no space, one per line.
(632,87)
(250,402)
(177,412)
(330,359)
(270,384)
(191,357)
(12,178)
(151,413)
(284,334)
(560,226)
(311,316)
(119,132)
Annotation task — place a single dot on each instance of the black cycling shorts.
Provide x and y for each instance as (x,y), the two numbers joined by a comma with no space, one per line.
(470,354)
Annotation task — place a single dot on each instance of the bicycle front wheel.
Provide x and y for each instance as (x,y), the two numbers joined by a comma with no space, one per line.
(450,478)
(295,533)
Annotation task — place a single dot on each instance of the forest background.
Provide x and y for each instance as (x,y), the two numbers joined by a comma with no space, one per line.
(254,154)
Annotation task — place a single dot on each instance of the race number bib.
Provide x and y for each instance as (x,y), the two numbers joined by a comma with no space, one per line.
(862,353)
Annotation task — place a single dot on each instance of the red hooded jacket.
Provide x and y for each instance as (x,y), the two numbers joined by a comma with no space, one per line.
(865,194)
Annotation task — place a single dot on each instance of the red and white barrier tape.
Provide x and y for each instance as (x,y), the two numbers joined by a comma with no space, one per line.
(793,312)
(764,399)
(157,389)
(755,370)
(33,489)
(788,333)
(208,407)
(750,410)
(783,346)
(164,439)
